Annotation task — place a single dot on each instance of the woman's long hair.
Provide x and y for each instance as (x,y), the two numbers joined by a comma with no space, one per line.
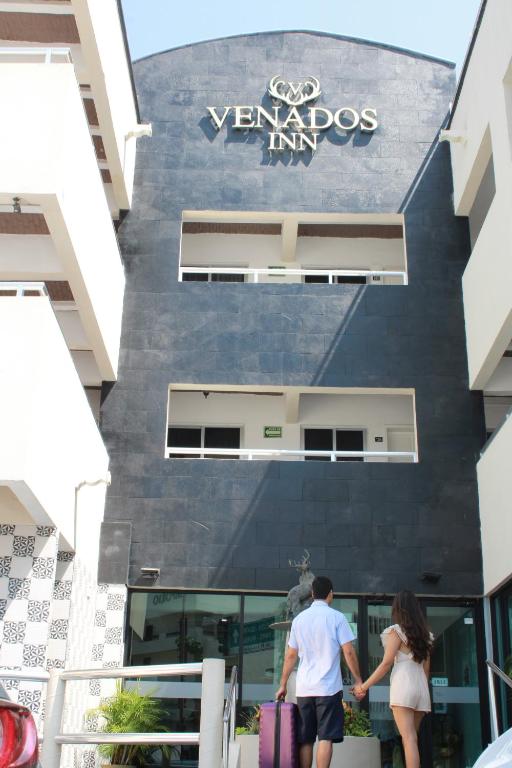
(406,612)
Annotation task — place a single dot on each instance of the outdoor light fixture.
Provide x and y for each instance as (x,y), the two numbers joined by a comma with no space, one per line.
(205,395)
(149,576)
(16,207)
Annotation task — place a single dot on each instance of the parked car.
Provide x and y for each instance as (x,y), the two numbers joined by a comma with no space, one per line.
(18,736)
(498,754)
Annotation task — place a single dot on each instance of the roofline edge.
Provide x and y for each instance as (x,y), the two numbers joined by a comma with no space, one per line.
(363,41)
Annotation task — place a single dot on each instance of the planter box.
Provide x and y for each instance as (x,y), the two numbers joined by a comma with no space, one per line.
(355,751)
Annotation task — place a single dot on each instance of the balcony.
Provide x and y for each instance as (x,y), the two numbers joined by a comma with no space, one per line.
(93,32)
(495,492)
(292,248)
(55,222)
(50,442)
(487,287)
(291,424)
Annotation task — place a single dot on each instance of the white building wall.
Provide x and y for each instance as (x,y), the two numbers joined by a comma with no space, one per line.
(495,493)
(47,158)
(50,440)
(483,123)
(481,128)
(108,73)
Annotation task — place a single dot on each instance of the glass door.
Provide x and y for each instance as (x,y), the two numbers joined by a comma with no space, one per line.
(456,721)
(503,627)
(379,617)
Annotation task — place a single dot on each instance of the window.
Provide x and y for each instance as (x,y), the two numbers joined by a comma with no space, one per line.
(333,440)
(348,279)
(212,277)
(203,437)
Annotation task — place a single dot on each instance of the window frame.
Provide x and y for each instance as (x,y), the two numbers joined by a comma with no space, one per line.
(202,428)
(209,273)
(337,281)
(363,430)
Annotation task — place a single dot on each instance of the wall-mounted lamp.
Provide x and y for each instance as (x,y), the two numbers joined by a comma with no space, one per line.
(205,395)
(16,207)
(148,576)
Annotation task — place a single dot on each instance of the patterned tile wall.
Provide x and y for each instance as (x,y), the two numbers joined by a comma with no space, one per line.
(53,615)
(28,560)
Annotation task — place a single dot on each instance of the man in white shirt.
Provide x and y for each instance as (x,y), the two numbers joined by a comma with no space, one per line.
(317,637)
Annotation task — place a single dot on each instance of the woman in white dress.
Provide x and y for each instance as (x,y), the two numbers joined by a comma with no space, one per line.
(407,647)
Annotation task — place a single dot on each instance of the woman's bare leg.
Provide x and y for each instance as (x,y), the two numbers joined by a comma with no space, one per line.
(418,717)
(405,722)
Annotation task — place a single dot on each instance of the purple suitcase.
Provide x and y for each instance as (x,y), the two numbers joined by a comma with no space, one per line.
(278,735)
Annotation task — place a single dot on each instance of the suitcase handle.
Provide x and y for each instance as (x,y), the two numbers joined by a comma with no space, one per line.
(277,735)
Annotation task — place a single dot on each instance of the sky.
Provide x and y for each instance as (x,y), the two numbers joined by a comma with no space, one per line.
(440,28)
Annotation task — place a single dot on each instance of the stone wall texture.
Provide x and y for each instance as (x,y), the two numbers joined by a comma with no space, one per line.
(372,527)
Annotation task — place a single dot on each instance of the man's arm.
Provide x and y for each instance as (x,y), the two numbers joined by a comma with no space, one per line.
(290,661)
(352,662)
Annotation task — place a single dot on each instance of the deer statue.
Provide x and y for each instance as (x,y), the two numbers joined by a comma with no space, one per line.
(299,596)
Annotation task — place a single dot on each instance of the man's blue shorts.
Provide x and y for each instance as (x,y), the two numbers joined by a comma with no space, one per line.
(320,716)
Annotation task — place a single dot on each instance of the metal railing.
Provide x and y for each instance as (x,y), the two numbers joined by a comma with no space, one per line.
(209,737)
(41,676)
(9,288)
(499,672)
(9,54)
(251,453)
(229,717)
(255,273)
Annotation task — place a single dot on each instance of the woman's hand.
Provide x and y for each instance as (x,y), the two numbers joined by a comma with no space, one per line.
(358,691)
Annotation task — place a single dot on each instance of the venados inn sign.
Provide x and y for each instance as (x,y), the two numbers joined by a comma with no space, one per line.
(290,127)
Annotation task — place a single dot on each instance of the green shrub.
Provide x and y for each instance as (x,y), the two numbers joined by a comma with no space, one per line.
(357,722)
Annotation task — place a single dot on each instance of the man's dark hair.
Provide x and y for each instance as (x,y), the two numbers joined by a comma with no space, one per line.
(321,587)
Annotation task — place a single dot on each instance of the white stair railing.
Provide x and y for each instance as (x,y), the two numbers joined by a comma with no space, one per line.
(209,737)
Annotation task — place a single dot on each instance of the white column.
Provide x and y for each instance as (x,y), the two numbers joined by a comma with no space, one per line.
(212,707)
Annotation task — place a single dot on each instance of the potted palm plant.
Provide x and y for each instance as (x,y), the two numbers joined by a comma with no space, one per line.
(129,711)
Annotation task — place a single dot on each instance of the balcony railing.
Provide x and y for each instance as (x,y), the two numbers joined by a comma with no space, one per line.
(8,288)
(12,54)
(256,273)
(254,453)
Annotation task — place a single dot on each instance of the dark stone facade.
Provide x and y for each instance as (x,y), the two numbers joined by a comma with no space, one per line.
(234,524)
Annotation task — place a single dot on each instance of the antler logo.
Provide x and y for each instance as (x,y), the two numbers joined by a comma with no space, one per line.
(294,94)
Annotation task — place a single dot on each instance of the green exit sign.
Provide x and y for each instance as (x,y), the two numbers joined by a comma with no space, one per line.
(272,431)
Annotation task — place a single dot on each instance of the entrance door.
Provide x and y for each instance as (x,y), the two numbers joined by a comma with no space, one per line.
(503,627)
(456,721)
(400,439)
(379,617)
